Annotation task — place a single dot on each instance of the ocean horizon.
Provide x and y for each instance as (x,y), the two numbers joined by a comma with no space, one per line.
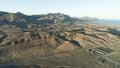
(113,22)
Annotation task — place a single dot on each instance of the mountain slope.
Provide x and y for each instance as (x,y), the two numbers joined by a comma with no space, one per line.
(55,40)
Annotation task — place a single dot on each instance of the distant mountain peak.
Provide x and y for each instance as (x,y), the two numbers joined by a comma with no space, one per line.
(11,17)
(88,18)
(19,18)
(19,13)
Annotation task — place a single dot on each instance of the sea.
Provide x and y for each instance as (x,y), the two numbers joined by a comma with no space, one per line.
(113,22)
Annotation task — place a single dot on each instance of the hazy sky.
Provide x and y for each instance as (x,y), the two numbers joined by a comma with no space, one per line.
(104,9)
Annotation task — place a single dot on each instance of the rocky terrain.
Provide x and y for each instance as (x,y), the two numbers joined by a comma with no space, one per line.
(56,40)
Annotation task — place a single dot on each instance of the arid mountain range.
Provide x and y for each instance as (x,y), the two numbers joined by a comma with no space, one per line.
(56,40)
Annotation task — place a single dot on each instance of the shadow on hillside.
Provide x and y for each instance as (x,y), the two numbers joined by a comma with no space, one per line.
(114,31)
(76,43)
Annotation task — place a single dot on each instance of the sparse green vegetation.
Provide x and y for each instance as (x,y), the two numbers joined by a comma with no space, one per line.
(56,41)
(115,57)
